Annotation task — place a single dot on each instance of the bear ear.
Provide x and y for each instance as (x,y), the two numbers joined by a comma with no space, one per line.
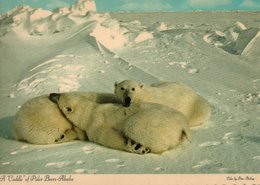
(115,84)
(54,97)
(141,86)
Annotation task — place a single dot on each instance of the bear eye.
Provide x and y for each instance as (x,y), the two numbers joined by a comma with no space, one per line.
(133,89)
(68,109)
(122,88)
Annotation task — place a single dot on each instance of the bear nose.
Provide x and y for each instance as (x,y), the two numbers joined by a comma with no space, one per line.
(54,97)
(127,101)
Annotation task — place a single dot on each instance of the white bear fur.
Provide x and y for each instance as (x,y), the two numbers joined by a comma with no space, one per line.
(154,126)
(39,121)
(175,95)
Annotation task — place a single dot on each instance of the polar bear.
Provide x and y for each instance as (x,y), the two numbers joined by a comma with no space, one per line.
(141,128)
(175,95)
(39,121)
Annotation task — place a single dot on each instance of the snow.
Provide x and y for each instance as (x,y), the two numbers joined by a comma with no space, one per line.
(81,7)
(236,39)
(111,35)
(78,49)
(246,39)
(143,36)
(39,14)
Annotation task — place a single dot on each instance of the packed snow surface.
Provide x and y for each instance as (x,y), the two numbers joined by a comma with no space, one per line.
(77,49)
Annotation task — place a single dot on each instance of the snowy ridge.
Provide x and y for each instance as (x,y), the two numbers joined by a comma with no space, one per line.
(236,39)
(78,49)
(37,22)
(42,22)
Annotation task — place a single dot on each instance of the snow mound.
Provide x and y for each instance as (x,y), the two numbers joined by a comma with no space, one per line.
(236,39)
(159,26)
(81,7)
(39,14)
(143,36)
(215,37)
(25,19)
(110,34)
(246,40)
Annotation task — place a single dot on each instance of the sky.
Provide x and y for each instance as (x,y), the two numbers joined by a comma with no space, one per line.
(141,5)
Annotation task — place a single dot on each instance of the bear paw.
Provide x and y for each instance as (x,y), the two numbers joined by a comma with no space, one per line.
(137,148)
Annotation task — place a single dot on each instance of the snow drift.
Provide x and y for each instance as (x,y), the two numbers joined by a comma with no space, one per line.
(236,39)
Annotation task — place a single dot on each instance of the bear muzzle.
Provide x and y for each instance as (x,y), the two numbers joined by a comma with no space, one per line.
(127,101)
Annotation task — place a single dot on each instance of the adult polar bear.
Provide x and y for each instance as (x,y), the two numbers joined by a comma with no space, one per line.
(175,95)
(152,127)
(39,121)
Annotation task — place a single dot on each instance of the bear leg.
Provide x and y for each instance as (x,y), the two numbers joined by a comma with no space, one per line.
(110,138)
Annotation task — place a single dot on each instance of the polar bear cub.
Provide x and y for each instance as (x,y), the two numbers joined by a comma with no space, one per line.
(175,95)
(39,121)
(141,128)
